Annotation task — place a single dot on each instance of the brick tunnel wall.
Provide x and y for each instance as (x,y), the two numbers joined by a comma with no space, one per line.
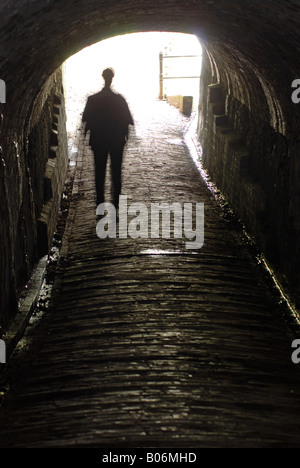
(249,129)
(248,126)
(33,169)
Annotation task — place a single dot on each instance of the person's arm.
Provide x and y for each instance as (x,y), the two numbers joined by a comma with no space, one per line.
(126,116)
(85,118)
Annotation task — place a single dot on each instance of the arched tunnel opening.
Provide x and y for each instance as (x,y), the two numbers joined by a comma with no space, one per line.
(247,125)
(147,66)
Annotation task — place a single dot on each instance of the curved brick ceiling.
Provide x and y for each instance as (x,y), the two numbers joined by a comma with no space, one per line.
(36,36)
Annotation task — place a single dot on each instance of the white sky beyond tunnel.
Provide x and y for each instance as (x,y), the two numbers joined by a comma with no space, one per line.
(135,60)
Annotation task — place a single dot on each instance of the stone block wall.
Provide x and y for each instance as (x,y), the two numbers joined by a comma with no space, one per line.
(250,152)
(183,103)
(54,175)
(32,175)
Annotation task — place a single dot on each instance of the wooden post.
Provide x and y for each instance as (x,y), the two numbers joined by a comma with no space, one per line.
(161,79)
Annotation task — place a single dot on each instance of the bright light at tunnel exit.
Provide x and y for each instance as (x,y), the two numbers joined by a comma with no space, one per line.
(135,60)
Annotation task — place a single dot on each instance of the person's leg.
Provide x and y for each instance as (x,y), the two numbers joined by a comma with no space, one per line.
(100,157)
(116,155)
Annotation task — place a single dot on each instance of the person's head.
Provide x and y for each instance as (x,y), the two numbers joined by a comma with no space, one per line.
(108,75)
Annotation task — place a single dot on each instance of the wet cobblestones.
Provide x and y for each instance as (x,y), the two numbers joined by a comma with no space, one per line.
(147,343)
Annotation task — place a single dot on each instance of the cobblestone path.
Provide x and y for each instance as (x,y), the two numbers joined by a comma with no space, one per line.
(149,344)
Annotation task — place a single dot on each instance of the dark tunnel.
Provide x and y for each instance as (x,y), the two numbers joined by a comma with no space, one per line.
(248,123)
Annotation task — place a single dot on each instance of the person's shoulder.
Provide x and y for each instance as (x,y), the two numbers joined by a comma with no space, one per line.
(114,94)
(95,100)
(92,97)
(120,97)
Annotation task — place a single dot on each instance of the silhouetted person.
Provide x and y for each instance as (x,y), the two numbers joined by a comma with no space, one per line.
(107,116)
